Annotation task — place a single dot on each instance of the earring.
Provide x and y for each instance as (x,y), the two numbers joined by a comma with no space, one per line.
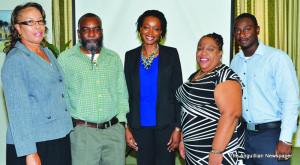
(160,38)
(19,35)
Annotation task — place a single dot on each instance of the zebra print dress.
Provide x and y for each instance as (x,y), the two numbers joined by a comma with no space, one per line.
(200,116)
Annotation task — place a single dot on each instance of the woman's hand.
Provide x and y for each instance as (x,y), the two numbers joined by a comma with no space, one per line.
(130,140)
(174,140)
(33,159)
(215,159)
(181,150)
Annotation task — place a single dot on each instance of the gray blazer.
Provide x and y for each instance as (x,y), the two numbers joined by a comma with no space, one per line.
(34,93)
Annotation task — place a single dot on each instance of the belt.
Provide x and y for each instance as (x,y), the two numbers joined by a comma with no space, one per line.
(104,125)
(263,126)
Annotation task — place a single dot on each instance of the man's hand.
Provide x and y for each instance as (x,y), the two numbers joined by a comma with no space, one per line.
(33,159)
(283,150)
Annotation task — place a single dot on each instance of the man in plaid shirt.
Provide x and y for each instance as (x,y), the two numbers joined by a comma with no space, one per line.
(97,95)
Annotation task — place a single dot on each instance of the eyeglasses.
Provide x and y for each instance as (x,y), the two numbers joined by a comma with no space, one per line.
(33,22)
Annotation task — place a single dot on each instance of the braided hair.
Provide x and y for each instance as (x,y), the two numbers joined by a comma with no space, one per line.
(217,38)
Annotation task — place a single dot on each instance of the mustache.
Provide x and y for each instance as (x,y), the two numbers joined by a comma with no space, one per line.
(91,43)
(243,39)
(90,39)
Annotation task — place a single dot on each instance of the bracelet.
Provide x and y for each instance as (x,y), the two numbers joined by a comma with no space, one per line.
(287,143)
(177,129)
(215,152)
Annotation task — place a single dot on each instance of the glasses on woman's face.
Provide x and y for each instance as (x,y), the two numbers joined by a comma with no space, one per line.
(33,22)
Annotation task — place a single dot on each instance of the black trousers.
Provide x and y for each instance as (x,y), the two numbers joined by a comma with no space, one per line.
(152,146)
(54,152)
(263,143)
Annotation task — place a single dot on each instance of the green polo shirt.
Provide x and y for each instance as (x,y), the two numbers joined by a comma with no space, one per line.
(95,93)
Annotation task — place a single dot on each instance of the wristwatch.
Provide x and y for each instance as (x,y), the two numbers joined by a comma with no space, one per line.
(287,143)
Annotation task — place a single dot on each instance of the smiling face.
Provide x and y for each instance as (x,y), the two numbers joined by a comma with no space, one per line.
(246,34)
(30,34)
(208,54)
(150,30)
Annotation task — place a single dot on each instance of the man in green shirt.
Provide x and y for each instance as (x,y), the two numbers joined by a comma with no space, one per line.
(97,95)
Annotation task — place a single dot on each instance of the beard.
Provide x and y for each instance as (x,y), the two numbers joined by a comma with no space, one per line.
(96,45)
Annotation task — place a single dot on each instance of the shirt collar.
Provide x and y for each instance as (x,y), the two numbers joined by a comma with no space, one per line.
(258,51)
(23,48)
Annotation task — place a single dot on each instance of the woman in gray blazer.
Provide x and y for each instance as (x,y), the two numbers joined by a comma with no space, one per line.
(33,84)
(153,73)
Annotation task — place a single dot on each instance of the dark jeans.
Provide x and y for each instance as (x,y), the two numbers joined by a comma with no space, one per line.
(152,144)
(54,152)
(262,143)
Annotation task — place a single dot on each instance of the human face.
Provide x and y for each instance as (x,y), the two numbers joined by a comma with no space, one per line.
(90,34)
(208,54)
(246,34)
(150,30)
(30,35)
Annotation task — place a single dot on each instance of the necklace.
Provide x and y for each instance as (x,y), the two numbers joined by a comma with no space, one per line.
(201,74)
(148,61)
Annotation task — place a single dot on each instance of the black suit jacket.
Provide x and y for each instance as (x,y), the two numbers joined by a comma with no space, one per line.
(169,79)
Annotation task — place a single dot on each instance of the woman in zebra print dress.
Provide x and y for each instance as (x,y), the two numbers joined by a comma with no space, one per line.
(211,101)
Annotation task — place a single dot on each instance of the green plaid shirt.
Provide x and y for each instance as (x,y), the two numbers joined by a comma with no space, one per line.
(95,93)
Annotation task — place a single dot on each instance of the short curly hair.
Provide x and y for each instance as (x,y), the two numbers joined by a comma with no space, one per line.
(153,13)
(247,15)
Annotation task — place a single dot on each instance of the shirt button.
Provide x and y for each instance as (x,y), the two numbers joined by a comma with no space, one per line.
(100,109)
(49,117)
(249,121)
(60,80)
(246,109)
(66,109)
(98,81)
(62,95)
(99,95)
(244,73)
(244,97)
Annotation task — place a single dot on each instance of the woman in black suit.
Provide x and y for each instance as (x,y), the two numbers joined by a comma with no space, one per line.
(153,73)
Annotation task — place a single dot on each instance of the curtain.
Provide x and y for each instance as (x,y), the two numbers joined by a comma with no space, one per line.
(62,23)
(279,22)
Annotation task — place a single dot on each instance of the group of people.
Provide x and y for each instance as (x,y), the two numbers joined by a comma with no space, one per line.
(84,107)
